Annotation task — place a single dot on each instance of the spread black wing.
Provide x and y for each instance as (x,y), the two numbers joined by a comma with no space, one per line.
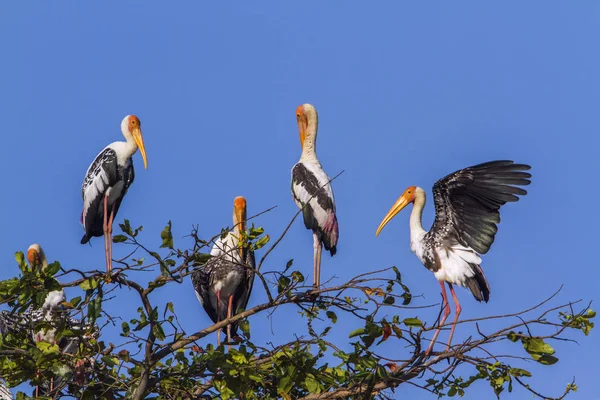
(467,202)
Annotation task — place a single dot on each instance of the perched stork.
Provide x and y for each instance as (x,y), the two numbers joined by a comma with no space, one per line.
(37,260)
(106,183)
(224,284)
(49,316)
(312,191)
(467,204)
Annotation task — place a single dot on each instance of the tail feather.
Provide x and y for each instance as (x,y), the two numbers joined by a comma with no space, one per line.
(331,234)
(478,284)
(85,239)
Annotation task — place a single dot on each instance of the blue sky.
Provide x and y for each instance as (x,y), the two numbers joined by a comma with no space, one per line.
(406,93)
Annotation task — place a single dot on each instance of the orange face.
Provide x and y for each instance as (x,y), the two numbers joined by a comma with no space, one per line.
(409,194)
(134,122)
(302,123)
(33,257)
(407,197)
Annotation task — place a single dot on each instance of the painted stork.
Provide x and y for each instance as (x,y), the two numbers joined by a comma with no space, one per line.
(224,284)
(50,314)
(467,204)
(106,183)
(311,189)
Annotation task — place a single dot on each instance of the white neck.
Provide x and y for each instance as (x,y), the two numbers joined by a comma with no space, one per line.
(416,216)
(309,148)
(130,147)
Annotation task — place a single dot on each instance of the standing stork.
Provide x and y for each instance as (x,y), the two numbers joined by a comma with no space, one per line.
(467,204)
(224,284)
(106,183)
(312,191)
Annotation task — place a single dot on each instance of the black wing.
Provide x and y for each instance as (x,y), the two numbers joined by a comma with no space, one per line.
(467,202)
(201,282)
(318,211)
(102,174)
(13,323)
(244,290)
(127,174)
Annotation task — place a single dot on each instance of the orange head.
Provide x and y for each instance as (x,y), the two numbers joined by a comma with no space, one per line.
(36,256)
(131,125)
(239,218)
(407,197)
(302,123)
(306,115)
(239,212)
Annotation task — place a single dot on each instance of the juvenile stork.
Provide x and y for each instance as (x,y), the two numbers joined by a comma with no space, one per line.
(467,204)
(50,316)
(106,183)
(312,191)
(224,284)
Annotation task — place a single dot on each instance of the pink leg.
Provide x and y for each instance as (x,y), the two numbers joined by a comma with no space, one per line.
(218,304)
(446,307)
(317,261)
(110,242)
(229,312)
(456,315)
(105,230)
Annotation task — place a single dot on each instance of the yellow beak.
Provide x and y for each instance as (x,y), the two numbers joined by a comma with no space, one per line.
(139,140)
(396,208)
(302,126)
(239,216)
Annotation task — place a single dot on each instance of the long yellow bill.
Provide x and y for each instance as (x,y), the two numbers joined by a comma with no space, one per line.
(396,208)
(239,219)
(139,140)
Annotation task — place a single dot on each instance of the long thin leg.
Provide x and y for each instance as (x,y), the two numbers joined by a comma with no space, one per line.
(105,230)
(316,266)
(218,319)
(229,312)
(110,242)
(446,307)
(319,251)
(456,315)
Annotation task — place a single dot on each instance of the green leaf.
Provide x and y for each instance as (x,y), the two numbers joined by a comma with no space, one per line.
(53,268)
(357,332)
(289,264)
(244,326)
(126,328)
(311,384)
(126,227)
(201,258)
(119,238)
(397,331)
(519,372)
(282,283)
(512,336)
(544,359)
(75,301)
(47,348)
(389,300)
(89,284)
(170,307)
(158,331)
(332,316)
(167,237)
(412,322)
(238,357)
(537,345)
(398,274)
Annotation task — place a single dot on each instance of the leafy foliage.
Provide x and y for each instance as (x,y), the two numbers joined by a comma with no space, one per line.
(156,359)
